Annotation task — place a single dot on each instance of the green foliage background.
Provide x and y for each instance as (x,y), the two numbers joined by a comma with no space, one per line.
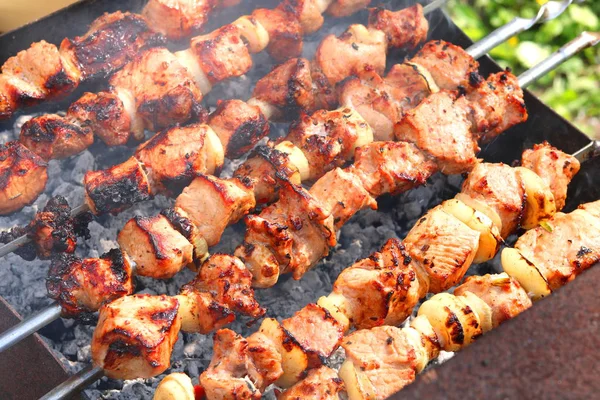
(573,90)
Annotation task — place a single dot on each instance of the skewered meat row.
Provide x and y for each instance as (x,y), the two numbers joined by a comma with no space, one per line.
(381,289)
(45,71)
(171,94)
(384,288)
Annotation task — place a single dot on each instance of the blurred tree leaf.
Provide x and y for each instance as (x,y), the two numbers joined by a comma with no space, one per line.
(583,16)
(531,53)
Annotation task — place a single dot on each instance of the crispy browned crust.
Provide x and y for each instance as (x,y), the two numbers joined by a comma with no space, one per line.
(112,41)
(344,8)
(222,54)
(103,113)
(23,176)
(239,126)
(53,137)
(116,189)
(178,20)
(320,383)
(105,279)
(53,230)
(306,12)
(406,28)
(285,32)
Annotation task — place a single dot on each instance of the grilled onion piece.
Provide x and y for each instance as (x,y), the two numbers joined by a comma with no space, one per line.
(540,202)
(524,271)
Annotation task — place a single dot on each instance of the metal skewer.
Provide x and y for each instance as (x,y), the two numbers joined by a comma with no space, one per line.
(89,374)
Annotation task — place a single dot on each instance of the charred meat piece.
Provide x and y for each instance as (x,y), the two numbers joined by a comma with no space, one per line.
(263,361)
(177,19)
(51,136)
(222,54)
(344,8)
(117,37)
(384,356)
(239,126)
(449,65)
(500,187)
(502,293)
(164,90)
(175,156)
(285,32)
(554,167)
(356,50)
(308,12)
(158,250)
(135,335)
(443,246)
(496,105)
(83,286)
(213,203)
(564,247)
(320,384)
(440,126)
(53,229)
(106,115)
(117,188)
(406,28)
(391,167)
(343,194)
(23,177)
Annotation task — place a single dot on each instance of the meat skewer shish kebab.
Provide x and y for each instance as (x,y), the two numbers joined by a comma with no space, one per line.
(381,289)
(185,230)
(160,88)
(518,188)
(45,71)
(227,117)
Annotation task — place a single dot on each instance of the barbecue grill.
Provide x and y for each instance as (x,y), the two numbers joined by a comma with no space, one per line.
(361,236)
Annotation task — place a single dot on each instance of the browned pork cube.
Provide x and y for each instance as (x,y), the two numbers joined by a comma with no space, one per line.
(320,384)
(83,286)
(23,177)
(308,12)
(164,90)
(135,335)
(117,188)
(158,250)
(52,230)
(406,28)
(95,52)
(52,136)
(239,126)
(344,8)
(285,32)
(178,19)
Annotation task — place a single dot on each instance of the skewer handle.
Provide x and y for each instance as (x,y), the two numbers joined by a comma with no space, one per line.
(20,331)
(583,41)
(548,11)
(75,383)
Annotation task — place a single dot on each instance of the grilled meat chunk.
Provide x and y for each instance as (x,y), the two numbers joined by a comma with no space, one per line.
(177,19)
(51,136)
(225,376)
(343,194)
(23,177)
(53,230)
(175,156)
(239,126)
(213,203)
(222,54)
(385,356)
(383,101)
(502,293)
(344,8)
(117,188)
(440,126)
(564,247)
(263,361)
(135,335)
(496,105)
(297,230)
(107,116)
(320,384)
(164,90)
(500,187)
(391,167)
(443,246)
(356,50)
(118,37)
(158,250)
(285,32)
(554,167)
(449,65)
(406,28)
(308,12)
(83,286)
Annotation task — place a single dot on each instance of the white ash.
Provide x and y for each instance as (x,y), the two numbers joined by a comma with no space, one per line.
(23,283)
